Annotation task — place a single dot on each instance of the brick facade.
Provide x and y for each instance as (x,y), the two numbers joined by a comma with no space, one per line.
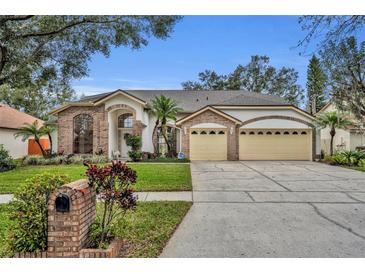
(111,252)
(68,231)
(209,116)
(66,122)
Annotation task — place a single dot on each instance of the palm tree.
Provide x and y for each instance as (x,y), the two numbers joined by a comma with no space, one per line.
(164,109)
(333,120)
(48,130)
(32,130)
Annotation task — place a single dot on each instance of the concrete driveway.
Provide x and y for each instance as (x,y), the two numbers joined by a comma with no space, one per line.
(272,209)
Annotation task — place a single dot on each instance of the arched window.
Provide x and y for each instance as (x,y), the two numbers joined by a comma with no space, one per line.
(260,133)
(252,133)
(194,132)
(268,133)
(203,133)
(83,134)
(212,132)
(304,133)
(125,120)
(221,132)
(295,133)
(286,133)
(277,133)
(243,133)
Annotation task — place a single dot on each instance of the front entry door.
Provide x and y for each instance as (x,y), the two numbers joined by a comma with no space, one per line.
(123,144)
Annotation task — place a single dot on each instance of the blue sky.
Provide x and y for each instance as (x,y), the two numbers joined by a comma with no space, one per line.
(219,43)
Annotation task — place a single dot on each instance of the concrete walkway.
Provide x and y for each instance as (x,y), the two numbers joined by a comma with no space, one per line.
(5,198)
(142,196)
(272,209)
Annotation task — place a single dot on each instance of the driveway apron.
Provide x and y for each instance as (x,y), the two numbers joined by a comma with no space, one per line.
(272,209)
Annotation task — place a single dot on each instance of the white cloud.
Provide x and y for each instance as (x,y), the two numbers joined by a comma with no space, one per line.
(90,90)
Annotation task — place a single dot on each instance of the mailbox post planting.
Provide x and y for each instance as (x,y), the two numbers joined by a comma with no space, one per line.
(113,187)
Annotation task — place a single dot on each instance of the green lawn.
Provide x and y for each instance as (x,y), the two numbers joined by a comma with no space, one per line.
(150,177)
(145,232)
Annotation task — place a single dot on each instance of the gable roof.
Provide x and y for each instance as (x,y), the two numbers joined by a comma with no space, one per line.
(329,103)
(192,100)
(14,119)
(221,113)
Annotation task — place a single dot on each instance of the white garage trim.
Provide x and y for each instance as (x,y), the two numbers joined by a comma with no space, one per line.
(276,123)
(279,107)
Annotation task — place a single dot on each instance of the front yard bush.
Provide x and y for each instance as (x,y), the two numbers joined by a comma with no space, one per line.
(348,158)
(113,187)
(65,159)
(28,232)
(135,142)
(6,162)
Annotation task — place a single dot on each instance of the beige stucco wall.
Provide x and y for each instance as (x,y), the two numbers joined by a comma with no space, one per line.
(356,140)
(276,123)
(247,114)
(343,140)
(16,147)
(54,141)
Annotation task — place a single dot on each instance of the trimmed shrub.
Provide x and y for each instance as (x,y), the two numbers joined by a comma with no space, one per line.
(6,162)
(362,163)
(336,159)
(28,232)
(65,159)
(135,142)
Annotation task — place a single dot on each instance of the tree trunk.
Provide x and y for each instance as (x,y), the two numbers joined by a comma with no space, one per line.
(332,133)
(164,134)
(40,146)
(50,144)
(153,134)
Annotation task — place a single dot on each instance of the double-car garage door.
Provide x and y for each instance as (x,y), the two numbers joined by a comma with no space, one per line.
(254,144)
(275,144)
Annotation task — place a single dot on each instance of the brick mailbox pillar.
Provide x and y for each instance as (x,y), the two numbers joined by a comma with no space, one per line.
(71,211)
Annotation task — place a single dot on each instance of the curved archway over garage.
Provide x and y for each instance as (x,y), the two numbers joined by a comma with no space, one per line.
(285,144)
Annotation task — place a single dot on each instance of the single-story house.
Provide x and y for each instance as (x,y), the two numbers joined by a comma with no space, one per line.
(10,121)
(214,125)
(345,139)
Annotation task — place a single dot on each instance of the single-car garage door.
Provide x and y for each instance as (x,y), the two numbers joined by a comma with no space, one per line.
(208,144)
(275,144)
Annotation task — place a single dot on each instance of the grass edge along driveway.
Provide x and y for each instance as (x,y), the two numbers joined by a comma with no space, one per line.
(145,232)
(150,177)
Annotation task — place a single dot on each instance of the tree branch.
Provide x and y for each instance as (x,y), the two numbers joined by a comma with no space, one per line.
(60,30)
(15,18)
(3,52)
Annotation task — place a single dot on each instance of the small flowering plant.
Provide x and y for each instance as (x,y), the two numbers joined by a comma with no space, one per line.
(113,185)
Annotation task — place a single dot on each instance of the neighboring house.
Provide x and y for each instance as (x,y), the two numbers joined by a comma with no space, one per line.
(10,121)
(214,125)
(345,139)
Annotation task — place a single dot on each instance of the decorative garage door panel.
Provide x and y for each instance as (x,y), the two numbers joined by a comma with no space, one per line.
(275,144)
(208,144)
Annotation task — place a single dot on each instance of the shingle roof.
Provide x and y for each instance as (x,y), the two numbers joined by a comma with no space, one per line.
(14,119)
(191,101)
